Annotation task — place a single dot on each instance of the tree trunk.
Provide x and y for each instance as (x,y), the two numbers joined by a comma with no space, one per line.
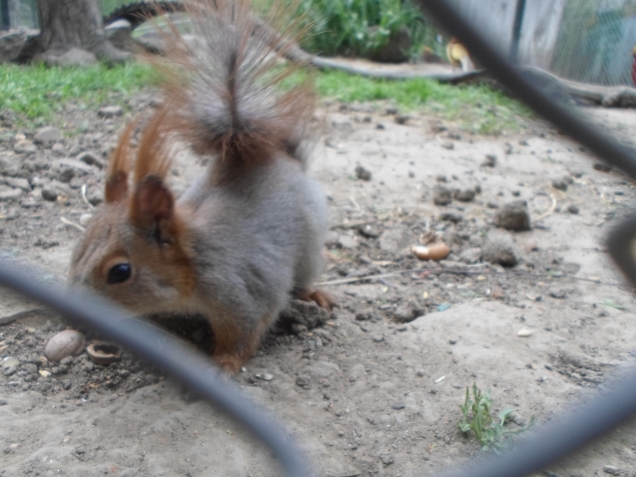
(71,32)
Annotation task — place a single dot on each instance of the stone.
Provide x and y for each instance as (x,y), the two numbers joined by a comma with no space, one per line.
(603,167)
(72,57)
(404,314)
(442,196)
(514,216)
(470,255)
(489,161)
(58,149)
(453,217)
(91,159)
(11,44)
(50,194)
(362,173)
(9,165)
(110,111)
(9,193)
(303,381)
(47,136)
(466,195)
(95,196)
(500,250)
(556,292)
(18,183)
(394,240)
(25,147)
(345,241)
(368,231)
(560,184)
(573,209)
(387,459)
(10,366)
(85,219)
(612,470)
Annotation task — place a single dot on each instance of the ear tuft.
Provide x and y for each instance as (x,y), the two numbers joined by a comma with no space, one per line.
(152,203)
(118,168)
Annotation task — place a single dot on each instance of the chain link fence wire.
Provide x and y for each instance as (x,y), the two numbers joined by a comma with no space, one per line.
(547,444)
(595,41)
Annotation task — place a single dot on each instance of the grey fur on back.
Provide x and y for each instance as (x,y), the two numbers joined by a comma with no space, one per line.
(259,237)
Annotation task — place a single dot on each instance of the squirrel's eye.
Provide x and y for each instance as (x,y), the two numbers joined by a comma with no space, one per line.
(119,273)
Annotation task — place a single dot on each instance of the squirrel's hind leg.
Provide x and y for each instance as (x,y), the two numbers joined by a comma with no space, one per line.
(235,345)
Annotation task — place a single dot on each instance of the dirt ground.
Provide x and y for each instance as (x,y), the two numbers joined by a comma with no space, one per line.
(375,389)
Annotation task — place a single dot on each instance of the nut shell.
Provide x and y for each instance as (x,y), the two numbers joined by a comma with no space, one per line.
(65,343)
(436,251)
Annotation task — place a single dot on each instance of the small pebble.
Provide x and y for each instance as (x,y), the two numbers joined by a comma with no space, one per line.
(560,184)
(110,111)
(514,216)
(85,218)
(601,166)
(442,196)
(49,194)
(500,250)
(612,470)
(573,209)
(466,195)
(362,173)
(490,161)
(555,292)
(47,136)
(531,245)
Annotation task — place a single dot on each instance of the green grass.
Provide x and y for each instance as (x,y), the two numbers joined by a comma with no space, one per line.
(477,420)
(477,108)
(38,92)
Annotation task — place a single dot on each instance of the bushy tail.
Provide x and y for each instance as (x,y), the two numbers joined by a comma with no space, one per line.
(225,85)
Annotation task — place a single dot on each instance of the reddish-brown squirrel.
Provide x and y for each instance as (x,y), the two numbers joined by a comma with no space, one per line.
(248,233)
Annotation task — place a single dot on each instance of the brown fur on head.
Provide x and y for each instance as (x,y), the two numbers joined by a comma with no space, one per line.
(136,247)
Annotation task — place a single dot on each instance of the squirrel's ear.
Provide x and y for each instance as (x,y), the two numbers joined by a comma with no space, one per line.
(152,207)
(118,168)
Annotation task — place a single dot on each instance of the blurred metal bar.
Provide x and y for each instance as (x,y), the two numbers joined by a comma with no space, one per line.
(517,26)
(193,369)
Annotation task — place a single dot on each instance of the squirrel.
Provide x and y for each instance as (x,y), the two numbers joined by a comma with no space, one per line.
(248,233)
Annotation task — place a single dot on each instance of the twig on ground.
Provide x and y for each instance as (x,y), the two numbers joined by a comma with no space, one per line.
(73,224)
(550,210)
(519,273)
(5,320)
(85,199)
(353,225)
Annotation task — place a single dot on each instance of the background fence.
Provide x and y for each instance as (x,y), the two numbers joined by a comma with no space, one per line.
(584,40)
